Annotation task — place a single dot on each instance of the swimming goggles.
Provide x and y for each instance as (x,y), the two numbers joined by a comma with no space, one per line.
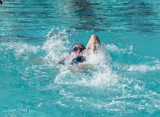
(76,49)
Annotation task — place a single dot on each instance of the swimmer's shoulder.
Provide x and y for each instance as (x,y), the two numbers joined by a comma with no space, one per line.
(72,60)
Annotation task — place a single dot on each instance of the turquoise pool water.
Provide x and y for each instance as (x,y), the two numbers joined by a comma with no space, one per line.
(36,34)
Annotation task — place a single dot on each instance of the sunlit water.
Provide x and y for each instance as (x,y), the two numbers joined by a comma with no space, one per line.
(123,80)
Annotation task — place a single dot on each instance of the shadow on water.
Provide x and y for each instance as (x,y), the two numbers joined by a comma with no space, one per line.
(26,20)
(86,13)
(141,16)
(112,16)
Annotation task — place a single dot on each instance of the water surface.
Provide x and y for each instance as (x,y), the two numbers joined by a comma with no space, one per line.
(35,35)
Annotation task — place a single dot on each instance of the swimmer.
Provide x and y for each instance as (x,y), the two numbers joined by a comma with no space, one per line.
(79,53)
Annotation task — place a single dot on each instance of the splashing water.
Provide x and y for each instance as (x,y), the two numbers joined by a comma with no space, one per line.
(108,85)
(123,79)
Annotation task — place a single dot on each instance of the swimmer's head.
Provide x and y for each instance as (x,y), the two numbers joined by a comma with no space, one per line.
(77,49)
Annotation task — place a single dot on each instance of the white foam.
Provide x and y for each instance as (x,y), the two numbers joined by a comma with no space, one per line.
(21,49)
(100,75)
(55,44)
(115,49)
(100,57)
(143,67)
